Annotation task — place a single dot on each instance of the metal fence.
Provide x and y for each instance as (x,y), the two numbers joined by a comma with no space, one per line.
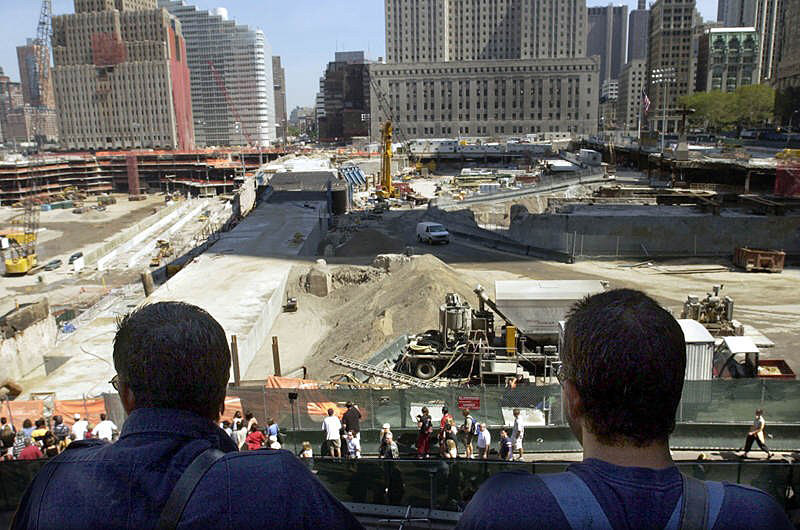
(449,485)
(706,402)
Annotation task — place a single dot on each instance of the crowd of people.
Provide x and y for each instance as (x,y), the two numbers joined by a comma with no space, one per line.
(46,438)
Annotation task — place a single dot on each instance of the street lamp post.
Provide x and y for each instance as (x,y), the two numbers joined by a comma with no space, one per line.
(789,134)
(663,76)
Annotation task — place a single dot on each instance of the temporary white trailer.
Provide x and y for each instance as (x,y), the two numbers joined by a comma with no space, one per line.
(699,350)
(536,306)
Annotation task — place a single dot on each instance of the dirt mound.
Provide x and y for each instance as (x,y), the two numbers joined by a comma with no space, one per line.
(369,242)
(368,315)
(354,275)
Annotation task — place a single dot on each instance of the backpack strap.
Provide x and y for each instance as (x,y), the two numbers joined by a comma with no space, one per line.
(173,509)
(702,508)
(576,500)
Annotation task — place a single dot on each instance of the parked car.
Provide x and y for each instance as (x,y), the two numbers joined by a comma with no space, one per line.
(432,233)
(53,265)
(74,257)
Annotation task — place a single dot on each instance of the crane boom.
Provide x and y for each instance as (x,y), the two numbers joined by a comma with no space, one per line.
(43,31)
(221,85)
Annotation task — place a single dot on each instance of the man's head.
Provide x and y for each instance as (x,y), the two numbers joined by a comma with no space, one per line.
(349,404)
(516,412)
(330,412)
(482,427)
(3,420)
(40,423)
(624,361)
(57,420)
(102,417)
(503,434)
(172,355)
(759,412)
(444,411)
(465,412)
(424,410)
(76,417)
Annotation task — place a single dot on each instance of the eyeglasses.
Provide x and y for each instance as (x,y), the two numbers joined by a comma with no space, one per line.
(561,374)
(115,382)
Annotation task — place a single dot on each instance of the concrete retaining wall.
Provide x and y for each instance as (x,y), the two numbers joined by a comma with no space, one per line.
(93,255)
(608,235)
(256,337)
(23,354)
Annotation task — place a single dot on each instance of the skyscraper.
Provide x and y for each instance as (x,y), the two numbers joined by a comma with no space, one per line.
(787,72)
(671,66)
(120,77)
(279,83)
(346,98)
(608,38)
(638,30)
(233,93)
(33,94)
(764,16)
(485,68)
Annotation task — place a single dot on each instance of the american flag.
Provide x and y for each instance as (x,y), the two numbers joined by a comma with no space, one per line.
(645,101)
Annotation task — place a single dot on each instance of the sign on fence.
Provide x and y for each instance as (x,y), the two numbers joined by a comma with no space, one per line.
(469,403)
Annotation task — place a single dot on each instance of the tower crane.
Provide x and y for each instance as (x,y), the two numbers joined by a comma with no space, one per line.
(43,31)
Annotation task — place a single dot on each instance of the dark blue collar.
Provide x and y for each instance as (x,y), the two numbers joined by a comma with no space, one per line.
(176,422)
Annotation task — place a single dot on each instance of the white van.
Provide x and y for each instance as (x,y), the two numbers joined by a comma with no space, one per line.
(432,233)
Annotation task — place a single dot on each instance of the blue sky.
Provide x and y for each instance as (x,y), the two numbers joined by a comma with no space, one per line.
(305,33)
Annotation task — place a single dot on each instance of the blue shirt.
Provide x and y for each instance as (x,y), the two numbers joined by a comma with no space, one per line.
(96,484)
(272,430)
(631,497)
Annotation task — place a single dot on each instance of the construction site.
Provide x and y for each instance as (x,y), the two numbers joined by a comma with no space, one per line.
(423,273)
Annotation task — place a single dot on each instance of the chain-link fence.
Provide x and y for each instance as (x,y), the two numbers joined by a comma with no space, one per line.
(715,401)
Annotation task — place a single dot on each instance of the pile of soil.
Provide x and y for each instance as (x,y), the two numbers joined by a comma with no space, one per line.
(369,242)
(363,317)
(353,275)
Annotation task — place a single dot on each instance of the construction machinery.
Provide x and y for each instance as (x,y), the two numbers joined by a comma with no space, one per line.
(467,346)
(43,31)
(714,311)
(19,242)
(387,190)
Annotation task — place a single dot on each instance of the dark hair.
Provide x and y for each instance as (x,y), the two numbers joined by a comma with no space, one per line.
(173,355)
(348,404)
(27,424)
(759,412)
(40,422)
(270,421)
(330,412)
(248,415)
(102,416)
(237,414)
(57,420)
(424,410)
(626,356)
(254,427)
(444,410)
(3,420)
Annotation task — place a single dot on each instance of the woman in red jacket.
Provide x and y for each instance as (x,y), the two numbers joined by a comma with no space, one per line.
(255,439)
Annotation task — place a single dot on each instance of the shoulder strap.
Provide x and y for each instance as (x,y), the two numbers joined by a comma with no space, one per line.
(173,509)
(576,500)
(703,506)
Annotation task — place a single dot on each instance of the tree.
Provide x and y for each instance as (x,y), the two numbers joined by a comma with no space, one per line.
(754,104)
(748,106)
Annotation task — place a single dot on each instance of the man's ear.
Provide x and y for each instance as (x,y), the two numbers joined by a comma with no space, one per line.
(573,401)
(127,397)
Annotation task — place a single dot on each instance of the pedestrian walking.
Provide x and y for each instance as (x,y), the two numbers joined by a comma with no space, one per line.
(517,433)
(444,426)
(756,434)
(469,430)
(424,437)
(389,447)
(484,441)
(506,446)
(255,438)
(351,420)
(333,428)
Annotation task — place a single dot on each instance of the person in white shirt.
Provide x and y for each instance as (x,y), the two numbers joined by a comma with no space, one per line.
(273,442)
(333,438)
(484,441)
(307,451)
(517,433)
(80,427)
(353,446)
(105,429)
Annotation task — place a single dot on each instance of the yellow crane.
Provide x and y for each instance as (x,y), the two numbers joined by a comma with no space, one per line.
(387,189)
(20,256)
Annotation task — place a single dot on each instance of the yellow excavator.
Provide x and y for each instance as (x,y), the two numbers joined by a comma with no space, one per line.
(387,188)
(20,250)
